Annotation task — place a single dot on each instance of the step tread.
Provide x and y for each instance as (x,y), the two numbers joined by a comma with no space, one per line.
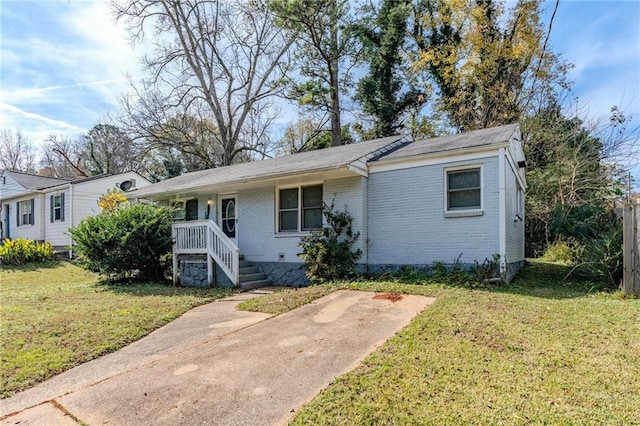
(250,285)
(258,276)
(248,270)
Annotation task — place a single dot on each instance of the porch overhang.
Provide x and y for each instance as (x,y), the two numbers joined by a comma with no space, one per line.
(240,185)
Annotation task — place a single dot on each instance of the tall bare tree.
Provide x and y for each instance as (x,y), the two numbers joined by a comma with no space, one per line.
(62,157)
(17,153)
(217,61)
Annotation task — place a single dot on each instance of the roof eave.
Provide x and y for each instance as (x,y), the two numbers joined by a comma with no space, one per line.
(163,194)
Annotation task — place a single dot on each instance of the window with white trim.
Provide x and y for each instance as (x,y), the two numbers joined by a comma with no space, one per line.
(300,208)
(57,208)
(25,212)
(464,189)
(519,202)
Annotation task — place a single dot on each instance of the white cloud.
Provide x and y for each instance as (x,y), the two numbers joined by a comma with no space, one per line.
(65,77)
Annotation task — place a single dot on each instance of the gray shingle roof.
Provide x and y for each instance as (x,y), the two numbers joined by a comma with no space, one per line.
(324,159)
(393,147)
(469,140)
(29,181)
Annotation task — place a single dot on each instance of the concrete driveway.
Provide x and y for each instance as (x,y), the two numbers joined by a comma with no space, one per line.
(219,366)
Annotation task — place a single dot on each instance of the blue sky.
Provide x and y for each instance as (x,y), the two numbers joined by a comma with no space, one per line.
(64,63)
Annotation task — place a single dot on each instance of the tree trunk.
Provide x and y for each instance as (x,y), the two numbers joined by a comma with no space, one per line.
(336,130)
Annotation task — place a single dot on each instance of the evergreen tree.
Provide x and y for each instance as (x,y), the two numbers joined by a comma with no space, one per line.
(380,92)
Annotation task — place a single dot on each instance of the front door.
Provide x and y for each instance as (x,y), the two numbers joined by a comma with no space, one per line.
(6,231)
(229,217)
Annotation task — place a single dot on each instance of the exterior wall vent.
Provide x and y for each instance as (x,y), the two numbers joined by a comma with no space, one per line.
(127,185)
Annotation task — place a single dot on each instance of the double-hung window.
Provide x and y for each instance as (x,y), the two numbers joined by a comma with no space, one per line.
(463,189)
(57,208)
(300,208)
(25,213)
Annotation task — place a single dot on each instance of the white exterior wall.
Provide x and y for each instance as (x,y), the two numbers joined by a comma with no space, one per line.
(10,188)
(514,226)
(56,232)
(407,224)
(85,195)
(258,239)
(31,232)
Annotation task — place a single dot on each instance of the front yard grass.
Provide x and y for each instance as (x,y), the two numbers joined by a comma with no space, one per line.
(539,350)
(56,316)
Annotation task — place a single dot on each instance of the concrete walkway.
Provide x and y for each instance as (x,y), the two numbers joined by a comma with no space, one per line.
(219,366)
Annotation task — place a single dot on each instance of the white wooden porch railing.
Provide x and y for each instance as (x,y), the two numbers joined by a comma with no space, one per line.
(205,237)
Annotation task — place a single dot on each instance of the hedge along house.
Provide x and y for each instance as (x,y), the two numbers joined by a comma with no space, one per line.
(43,209)
(451,199)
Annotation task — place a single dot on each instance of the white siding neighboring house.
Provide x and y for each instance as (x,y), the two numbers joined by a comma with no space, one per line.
(455,198)
(43,209)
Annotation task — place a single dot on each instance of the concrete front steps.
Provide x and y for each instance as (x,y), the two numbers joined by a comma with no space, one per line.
(250,278)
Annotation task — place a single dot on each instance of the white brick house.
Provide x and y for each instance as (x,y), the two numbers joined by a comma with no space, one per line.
(43,209)
(451,199)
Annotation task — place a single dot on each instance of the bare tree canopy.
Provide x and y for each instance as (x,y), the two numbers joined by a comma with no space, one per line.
(17,153)
(218,62)
(103,149)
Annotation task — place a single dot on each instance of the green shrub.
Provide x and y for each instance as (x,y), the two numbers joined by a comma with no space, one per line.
(561,251)
(21,251)
(126,241)
(327,253)
(601,258)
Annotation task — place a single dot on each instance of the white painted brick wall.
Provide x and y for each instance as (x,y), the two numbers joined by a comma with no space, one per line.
(514,228)
(352,194)
(407,223)
(258,239)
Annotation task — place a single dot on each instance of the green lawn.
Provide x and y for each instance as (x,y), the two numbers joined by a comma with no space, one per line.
(53,318)
(539,351)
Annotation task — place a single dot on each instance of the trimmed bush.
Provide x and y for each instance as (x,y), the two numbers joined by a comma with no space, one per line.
(21,251)
(327,253)
(126,241)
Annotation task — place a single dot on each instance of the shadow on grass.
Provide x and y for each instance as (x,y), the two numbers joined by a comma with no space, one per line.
(31,267)
(549,280)
(160,288)
(536,279)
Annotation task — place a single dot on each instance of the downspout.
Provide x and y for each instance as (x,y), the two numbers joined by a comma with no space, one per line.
(43,215)
(70,220)
(502,212)
(365,219)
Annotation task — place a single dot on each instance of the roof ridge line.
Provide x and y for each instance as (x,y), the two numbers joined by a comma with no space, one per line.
(381,152)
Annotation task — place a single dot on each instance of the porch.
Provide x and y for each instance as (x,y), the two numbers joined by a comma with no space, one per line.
(206,238)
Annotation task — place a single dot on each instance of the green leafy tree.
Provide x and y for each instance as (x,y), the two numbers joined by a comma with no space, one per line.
(572,187)
(381,91)
(490,65)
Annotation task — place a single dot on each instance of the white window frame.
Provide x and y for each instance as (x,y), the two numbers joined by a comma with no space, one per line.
(519,202)
(299,209)
(26,213)
(57,210)
(463,212)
